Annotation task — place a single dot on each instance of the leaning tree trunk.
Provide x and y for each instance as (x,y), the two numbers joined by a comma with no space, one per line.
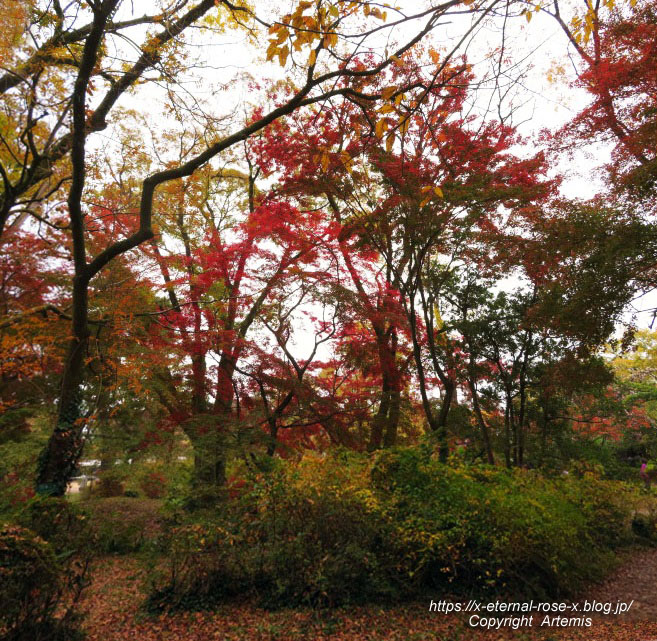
(59,458)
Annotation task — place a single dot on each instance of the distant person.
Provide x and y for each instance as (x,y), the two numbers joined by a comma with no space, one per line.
(648,473)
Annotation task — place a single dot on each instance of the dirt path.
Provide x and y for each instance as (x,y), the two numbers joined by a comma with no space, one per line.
(635,582)
(113,602)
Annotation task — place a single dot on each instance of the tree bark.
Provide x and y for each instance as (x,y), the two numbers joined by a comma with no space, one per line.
(482,423)
(209,452)
(381,418)
(390,436)
(60,456)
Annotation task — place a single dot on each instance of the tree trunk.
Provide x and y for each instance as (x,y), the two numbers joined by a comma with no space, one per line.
(209,469)
(381,418)
(390,436)
(441,425)
(521,424)
(209,451)
(60,456)
(273,433)
(482,423)
(507,436)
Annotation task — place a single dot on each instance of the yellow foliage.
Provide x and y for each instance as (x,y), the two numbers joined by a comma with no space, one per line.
(226,19)
(12,27)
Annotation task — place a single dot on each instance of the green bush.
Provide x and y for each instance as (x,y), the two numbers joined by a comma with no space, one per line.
(153,485)
(64,525)
(320,545)
(202,569)
(64,535)
(38,589)
(507,530)
(644,521)
(153,479)
(350,528)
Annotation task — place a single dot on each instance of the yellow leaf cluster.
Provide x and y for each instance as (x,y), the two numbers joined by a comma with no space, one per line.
(431,192)
(375,11)
(302,29)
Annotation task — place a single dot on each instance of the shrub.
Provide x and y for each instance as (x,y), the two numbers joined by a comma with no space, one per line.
(20,444)
(111,482)
(348,528)
(320,545)
(504,529)
(153,485)
(292,537)
(202,569)
(644,521)
(37,590)
(122,525)
(69,541)
(64,525)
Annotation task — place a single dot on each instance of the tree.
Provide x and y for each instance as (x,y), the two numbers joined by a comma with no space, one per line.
(616,46)
(67,61)
(247,262)
(587,260)
(420,193)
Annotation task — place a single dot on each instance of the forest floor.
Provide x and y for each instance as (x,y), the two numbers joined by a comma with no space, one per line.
(114,599)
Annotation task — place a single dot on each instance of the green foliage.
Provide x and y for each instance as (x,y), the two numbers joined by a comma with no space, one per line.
(508,530)
(152,481)
(65,526)
(644,521)
(348,529)
(21,440)
(309,535)
(38,589)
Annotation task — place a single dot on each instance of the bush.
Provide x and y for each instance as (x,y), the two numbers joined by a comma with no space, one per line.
(20,445)
(65,526)
(63,532)
(510,530)
(644,522)
(202,570)
(153,485)
(122,525)
(111,482)
(37,590)
(292,537)
(348,529)
(324,545)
